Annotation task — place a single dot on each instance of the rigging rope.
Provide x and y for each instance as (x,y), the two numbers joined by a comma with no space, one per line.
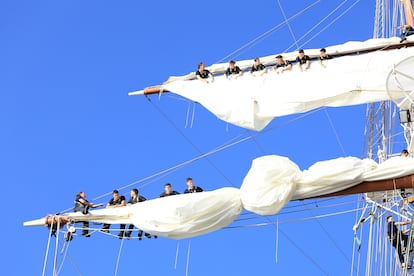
(277,240)
(329,236)
(304,253)
(188,258)
(319,23)
(230,143)
(65,250)
(56,247)
(291,221)
(335,132)
(119,257)
(256,40)
(176,255)
(48,246)
(287,23)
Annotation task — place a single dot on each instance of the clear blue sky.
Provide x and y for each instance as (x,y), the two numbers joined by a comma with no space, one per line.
(68,125)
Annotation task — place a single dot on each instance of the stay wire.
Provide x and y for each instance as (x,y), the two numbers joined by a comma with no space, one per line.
(190,142)
(338,140)
(329,236)
(48,247)
(315,263)
(188,258)
(331,23)
(287,23)
(259,38)
(65,252)
(56,247)
(119,257)
(292,220)
(317,25)
(282,213)
(232,142)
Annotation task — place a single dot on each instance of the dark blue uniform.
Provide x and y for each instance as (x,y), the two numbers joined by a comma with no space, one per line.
(303,60)
(170,194)
(325,57)
(235,70)
(84,208)
(407,32)
(285,64)
(257,68)
(203,74)
(134,200)
(106,226)
(195,189)
(396,237)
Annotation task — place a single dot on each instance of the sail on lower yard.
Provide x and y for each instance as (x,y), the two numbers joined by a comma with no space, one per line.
(271,182)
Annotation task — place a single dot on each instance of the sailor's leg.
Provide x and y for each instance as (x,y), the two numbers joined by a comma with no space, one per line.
(105,228)
(122,232)
(129,232)
(85,229)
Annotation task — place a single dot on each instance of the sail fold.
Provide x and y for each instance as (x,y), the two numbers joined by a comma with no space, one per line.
(252,101)
(270,184)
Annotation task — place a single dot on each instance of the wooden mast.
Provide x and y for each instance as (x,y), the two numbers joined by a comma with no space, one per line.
(408,10)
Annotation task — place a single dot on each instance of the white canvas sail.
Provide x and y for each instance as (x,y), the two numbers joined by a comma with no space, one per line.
(271,183)
(253,101)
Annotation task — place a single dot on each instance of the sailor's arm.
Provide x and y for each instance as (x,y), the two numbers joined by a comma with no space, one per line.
(402,223)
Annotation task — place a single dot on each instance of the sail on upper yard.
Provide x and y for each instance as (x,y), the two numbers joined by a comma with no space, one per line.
(350,78)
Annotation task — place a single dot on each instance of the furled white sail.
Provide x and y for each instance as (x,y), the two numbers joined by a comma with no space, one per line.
(253,101)
(271,182)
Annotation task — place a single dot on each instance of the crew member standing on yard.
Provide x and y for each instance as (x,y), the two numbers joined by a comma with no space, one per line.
(116,201)
(233,71)
(397,237)
(303,60)
(191,188)
(135,198)
(203,74)
(83,205)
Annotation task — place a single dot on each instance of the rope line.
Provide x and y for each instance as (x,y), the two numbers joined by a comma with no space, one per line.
(47,248)
(188,258)
(119,257)
(259,38)
(291,221)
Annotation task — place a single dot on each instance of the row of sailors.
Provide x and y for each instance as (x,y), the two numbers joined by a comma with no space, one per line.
(118,200)
(303,62)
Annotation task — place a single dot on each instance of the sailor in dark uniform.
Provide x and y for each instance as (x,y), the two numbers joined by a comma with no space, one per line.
(191,188)
(303,59)
(203,74)
(233,70)
(407,30)
(282,65)
(135,198)
(116,201)
(257,67)
(323,56)
(83,205)
(168,191)
(397,238)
